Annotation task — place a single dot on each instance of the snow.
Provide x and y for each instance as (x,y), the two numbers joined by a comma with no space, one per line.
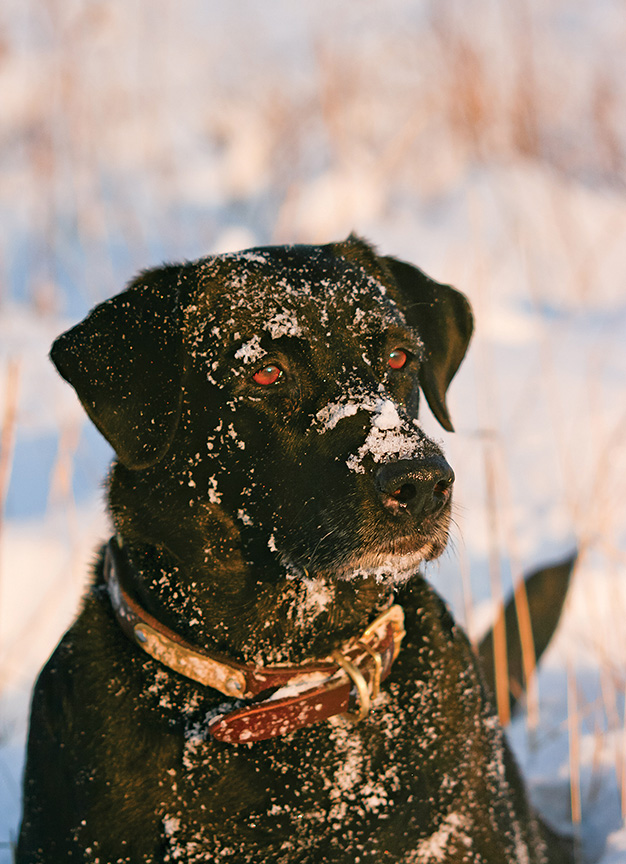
(615,848)
(214,495)
(250,351)
(389,438)
(386,416)
(434,849)
(390,570)
(317,596)
(332,413)
(485,148)
(283,324)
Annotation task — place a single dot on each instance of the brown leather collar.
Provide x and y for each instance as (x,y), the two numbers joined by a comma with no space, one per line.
(286,697)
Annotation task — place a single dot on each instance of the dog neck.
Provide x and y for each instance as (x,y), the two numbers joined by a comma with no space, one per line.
(285,697)
(264,617)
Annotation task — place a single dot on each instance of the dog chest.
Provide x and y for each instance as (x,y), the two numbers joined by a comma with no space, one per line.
(415,777)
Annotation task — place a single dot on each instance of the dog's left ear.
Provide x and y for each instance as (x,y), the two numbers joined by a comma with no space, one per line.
(125,361)
(443,318)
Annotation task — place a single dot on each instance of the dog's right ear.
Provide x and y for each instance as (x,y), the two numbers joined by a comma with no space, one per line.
(443,318)
(125,361)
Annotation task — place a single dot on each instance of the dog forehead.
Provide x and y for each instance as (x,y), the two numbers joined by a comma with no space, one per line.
(292,291)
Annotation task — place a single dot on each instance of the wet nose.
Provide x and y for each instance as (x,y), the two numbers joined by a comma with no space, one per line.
(420,487)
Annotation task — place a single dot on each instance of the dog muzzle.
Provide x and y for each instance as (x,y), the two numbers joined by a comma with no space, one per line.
(282,698)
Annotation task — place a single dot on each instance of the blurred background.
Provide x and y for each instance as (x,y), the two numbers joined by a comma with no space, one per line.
(484,142)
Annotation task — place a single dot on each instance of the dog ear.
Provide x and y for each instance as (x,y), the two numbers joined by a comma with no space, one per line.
(125,361)
(443,318)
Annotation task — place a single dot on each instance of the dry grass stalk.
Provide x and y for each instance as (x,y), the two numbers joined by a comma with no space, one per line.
(529,660)
(7,430)
(573,722)
(466,588)
(60,485)
(609,699)
(61,490)
(7,434)
(501,670)
(520,597)
(606,109)
(622,787)
(485,367)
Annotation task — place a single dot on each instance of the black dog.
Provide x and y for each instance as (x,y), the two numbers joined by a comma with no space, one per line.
(305,695)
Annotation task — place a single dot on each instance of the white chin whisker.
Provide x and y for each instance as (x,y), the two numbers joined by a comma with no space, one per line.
(385,568)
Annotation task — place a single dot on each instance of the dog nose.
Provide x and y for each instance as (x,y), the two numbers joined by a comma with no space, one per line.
(420,487)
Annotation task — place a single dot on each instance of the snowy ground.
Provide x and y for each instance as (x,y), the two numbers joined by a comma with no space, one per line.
(483,142)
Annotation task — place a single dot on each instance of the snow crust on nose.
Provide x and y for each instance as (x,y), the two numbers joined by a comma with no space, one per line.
(384,411)
(386,415)
(390,436)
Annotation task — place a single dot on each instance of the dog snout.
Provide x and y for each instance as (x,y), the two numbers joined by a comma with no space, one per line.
(418,487)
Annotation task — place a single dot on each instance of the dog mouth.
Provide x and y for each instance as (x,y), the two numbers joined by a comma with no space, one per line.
(387,556)
(357,538)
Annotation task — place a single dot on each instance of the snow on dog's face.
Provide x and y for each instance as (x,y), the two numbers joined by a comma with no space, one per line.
(259,398)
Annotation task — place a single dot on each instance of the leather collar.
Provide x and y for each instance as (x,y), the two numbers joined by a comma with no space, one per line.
(283,697)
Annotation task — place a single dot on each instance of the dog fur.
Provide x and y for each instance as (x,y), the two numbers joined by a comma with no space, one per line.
(270,519)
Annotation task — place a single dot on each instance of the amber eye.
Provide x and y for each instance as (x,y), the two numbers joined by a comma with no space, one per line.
(397,358)
(268,374)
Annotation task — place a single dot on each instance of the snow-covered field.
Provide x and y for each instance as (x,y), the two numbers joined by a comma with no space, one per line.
(484,142)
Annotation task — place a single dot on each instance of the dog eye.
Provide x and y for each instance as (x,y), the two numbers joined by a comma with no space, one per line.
(397,358)
(269,374)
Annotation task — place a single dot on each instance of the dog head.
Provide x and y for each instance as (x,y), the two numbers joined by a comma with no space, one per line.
(263,408)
